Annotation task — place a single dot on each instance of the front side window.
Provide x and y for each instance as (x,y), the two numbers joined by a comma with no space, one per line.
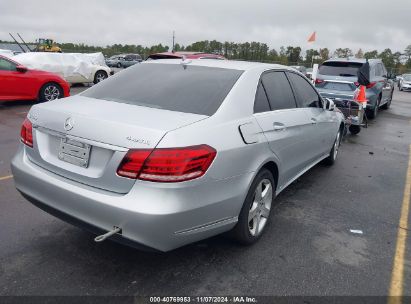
(306,95)
(173,87)
(6,65)
(278,90)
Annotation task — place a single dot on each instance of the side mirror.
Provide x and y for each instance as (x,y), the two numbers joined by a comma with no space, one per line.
(329,104)
(21,69)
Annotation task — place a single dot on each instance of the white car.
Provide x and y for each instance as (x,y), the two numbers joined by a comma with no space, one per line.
(405,82)
(73,67)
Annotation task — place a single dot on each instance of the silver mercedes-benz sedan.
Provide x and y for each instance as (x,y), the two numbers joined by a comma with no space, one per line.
(170,152)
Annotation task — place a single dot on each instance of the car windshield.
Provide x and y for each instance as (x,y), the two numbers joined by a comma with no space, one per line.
(339,68)
(407,77)
(174,87)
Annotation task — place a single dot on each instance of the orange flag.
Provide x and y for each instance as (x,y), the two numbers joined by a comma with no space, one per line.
(312,37)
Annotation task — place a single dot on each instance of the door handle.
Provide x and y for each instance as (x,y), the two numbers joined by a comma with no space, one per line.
(313,120)
(278,126)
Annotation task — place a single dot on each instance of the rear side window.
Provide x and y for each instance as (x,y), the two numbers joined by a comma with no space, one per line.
(340,68)
(261,102)
(306,95)
(174,87)
(278,90)
(378,70)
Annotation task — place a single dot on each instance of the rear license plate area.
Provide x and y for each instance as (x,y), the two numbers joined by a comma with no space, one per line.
(74,152)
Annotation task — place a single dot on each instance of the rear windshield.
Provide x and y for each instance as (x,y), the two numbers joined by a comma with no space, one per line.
(174,87)
(337,86)
(163,56)
(345,69)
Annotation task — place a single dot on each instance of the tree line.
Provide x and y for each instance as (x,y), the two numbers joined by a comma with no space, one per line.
(396,61)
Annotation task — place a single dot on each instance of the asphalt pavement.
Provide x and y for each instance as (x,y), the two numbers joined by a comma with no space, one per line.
(307,250)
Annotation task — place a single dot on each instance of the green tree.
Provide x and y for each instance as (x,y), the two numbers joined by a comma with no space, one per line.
(324,54)
(343,53)
(388,58)
(407,52)
(371,55)
(310,55)
(293,54)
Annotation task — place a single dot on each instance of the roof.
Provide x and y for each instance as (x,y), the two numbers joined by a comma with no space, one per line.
(353,59)
(224,64)
(187,54)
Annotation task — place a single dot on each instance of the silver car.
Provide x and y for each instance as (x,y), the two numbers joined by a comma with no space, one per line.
(405,82)
(170,152)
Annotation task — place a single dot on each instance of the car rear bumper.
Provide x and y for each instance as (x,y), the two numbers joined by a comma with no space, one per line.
(162,217)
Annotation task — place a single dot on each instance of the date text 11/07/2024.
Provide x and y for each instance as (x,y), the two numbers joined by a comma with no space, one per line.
(222,299)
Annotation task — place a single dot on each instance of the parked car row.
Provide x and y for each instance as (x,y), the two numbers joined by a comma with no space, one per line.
(338,79)
(123,61)
(404,82)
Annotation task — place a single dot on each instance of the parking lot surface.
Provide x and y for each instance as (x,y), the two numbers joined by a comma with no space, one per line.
(307,250)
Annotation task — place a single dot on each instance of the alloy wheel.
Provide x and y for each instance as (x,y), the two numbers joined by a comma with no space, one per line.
(260,207)
(51,92)
(336,145)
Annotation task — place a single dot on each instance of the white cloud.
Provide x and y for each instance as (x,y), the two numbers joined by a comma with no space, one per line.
(365,24)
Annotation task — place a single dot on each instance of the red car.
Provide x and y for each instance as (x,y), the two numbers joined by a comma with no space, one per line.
(188,55)
(17,82)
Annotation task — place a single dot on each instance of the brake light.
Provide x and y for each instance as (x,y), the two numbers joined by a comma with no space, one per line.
(26,133)
(167,164)
(318,81)
(132,163)
(371,84)
(357,84)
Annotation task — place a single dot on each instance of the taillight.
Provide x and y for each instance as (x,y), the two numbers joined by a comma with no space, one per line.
(357,84)
(318,81)
(132,163)
(26,133)
(167,164)
(371,84)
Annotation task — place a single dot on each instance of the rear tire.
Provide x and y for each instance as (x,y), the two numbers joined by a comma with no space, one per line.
(372,114)
(330,160)
(354,130)
(50,91)
(388,104)
(100,76)
(255,213)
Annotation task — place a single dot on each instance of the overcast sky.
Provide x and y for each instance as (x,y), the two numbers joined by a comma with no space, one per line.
(366,24)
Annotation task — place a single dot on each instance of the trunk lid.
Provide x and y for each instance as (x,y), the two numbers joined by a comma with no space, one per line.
(85,139)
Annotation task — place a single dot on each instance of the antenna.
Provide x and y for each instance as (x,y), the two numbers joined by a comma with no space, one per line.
(25,43)
(17,43)
(174,36)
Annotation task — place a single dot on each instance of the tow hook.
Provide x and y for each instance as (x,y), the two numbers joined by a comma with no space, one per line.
(102,237)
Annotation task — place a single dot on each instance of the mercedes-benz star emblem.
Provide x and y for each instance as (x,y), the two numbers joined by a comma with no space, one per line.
(69,124)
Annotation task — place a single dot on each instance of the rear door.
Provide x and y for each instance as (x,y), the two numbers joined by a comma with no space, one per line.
(284,125)
(320,135)
(385,83)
